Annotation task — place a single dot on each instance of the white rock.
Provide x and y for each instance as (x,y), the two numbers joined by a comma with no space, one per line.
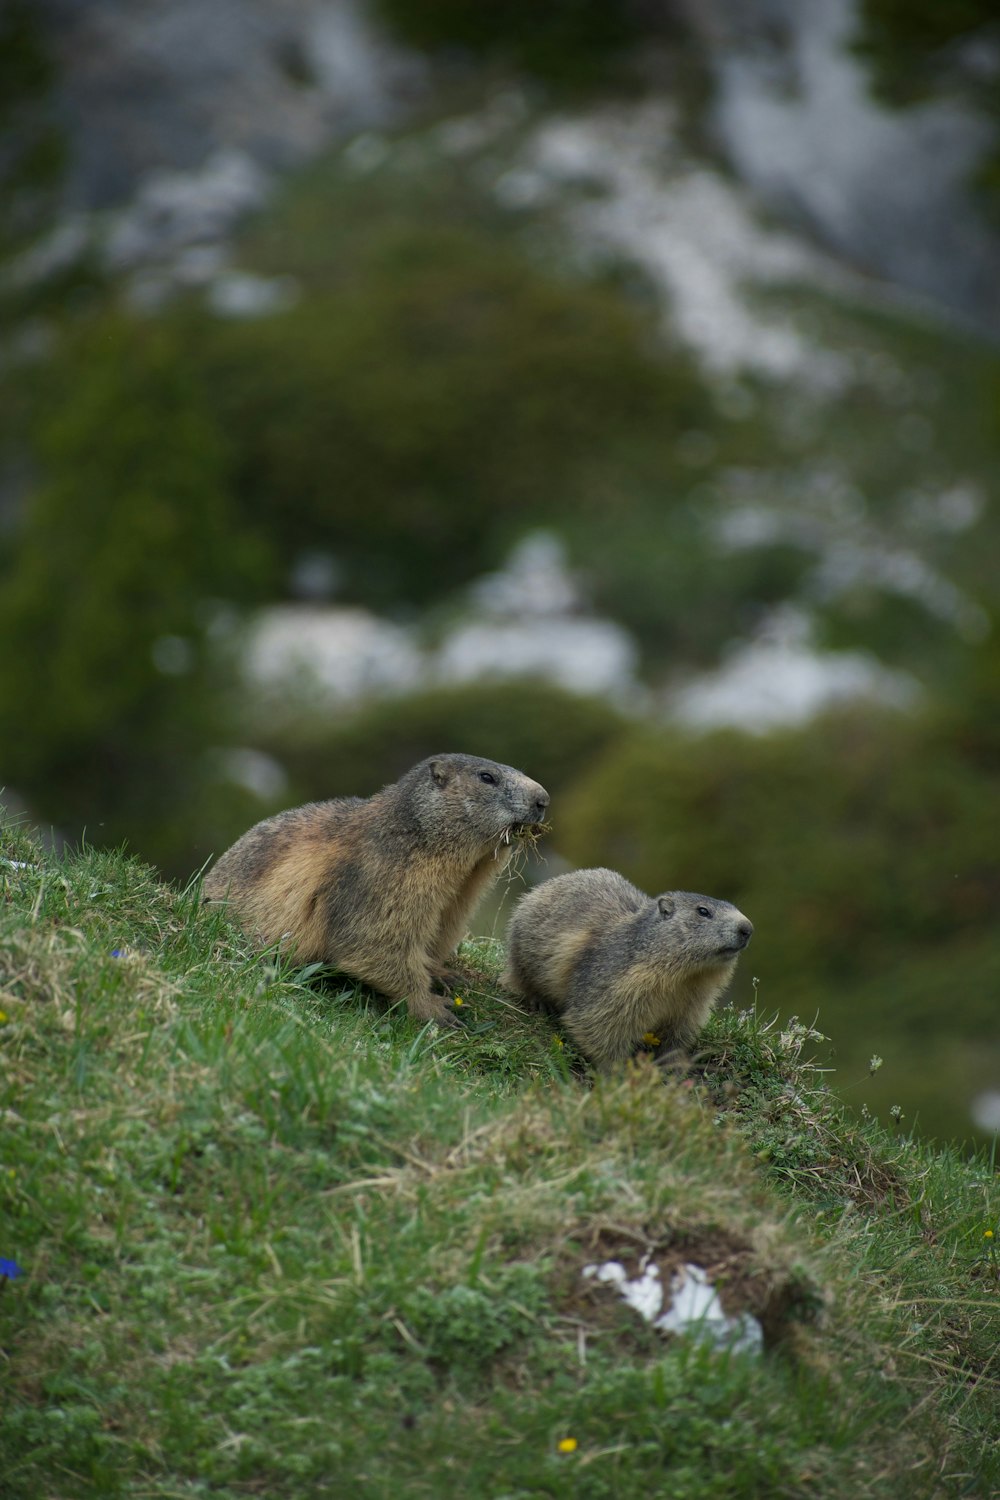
(174,209)
(889,188)
(332,654)
(581,655)
(691,230)
(985,1109)
(253,770)
(821,513)
(535,580)
(528,623)
(780,678)
(239,294)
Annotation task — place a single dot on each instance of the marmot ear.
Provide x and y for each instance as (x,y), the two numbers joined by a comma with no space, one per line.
(438,773)
(666,906)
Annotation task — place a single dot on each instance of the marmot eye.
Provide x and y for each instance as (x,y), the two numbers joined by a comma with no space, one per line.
(488,777)
(703,911)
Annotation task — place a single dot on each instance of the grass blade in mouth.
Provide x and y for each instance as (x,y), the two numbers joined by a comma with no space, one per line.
(529,833)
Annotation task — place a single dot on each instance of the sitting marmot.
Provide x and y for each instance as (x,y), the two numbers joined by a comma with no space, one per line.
(382,889)
(616,964)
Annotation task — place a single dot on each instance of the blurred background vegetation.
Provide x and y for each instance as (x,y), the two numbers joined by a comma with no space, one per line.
(437,375)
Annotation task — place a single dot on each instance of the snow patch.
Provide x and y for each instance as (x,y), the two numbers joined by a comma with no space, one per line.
(694,1306)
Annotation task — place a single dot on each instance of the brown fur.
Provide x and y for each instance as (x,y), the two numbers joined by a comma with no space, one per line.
(382,889)
(616,964)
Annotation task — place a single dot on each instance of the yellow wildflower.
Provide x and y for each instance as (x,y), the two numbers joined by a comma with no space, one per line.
(3,1017)
(651,1039)
(567,1445)
(987,1234)
(459,1000)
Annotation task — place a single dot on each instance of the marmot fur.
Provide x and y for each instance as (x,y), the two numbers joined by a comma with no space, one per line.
(616,964)
(382,888)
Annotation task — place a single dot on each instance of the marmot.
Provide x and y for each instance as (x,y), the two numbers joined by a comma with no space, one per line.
(382,888)
(616,964)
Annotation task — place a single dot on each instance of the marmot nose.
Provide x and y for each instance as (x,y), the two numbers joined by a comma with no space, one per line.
(744,931)
(541,801)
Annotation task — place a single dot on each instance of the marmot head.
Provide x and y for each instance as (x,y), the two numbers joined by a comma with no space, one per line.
(700,927)
(475,799)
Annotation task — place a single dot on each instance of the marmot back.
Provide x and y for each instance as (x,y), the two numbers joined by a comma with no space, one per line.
(616,964)
(382,888)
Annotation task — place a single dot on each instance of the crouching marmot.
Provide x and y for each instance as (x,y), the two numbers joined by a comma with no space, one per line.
(381,889)
(616,964)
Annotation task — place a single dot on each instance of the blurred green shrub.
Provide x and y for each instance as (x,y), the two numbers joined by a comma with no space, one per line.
(915,45)
(32,146)
(106,691)
(844,839)
(417,418)
(658,570)
(550,734)
(563,41)
(919,49)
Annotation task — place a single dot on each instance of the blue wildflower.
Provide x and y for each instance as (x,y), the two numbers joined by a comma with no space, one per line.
(9,1269)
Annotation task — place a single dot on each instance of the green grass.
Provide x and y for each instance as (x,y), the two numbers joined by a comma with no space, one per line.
(280,1240)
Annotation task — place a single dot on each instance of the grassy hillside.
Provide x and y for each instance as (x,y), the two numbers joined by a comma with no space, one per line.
(277,1240)
(461,366)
